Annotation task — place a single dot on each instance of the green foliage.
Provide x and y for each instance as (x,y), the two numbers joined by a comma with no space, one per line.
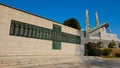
(99,45)
(112,44)
(90,45)
(119,45)
(107,52)
(117,54)
(94,52)
(72,23)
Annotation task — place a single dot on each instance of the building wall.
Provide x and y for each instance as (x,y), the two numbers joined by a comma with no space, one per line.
(14,45)
(106,38)
(95,33)
(103,35)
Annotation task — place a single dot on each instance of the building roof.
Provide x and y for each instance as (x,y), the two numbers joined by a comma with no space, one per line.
(99,26)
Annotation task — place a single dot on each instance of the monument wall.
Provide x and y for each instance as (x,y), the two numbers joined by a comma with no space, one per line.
(14,40)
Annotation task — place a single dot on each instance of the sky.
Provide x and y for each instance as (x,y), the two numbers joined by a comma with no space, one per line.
(60,10)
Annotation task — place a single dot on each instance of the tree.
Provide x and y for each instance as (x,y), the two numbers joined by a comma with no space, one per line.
(99,44)
(107,52)
(91,49)
(112,44)
(72,23)
(94,52)
(90,45)
(119,45)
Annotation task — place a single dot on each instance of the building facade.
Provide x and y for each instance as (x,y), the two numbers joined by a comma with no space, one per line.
(99,33)
(23,33)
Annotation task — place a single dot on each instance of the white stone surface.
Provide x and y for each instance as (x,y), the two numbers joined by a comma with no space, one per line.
(14,45)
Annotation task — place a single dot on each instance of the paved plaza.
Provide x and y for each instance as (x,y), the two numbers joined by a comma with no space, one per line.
(100,63)
(106,63)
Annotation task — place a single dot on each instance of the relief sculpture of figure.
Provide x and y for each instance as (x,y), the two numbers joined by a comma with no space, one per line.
(16,28)
(26,30)
(37,32)
(40,33)
(12,28)
(30,31)
(21,29)
(33,32)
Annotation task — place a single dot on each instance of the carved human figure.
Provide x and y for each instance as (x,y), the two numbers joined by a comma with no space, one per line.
(37,32)
(26,30)
(21,29)
(16,28)
(30,31)
(12,28)
(40,33)
(33,32)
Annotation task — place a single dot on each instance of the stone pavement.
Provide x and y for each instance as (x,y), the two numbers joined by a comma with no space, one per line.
(43,61)
(58,65)
(104,63)
(65,62)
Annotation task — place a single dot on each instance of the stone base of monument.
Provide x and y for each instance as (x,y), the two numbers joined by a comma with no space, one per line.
(31,61)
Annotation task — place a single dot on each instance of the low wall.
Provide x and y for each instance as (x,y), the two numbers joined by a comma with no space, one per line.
(16,45)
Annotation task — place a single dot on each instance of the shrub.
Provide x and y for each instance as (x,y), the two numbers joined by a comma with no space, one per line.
(94,52)
(112,44)
(88,47)
(99,44)
(117,54)
(119,45)
(107,52)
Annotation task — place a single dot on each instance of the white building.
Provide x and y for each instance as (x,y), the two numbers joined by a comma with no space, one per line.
(99,32)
